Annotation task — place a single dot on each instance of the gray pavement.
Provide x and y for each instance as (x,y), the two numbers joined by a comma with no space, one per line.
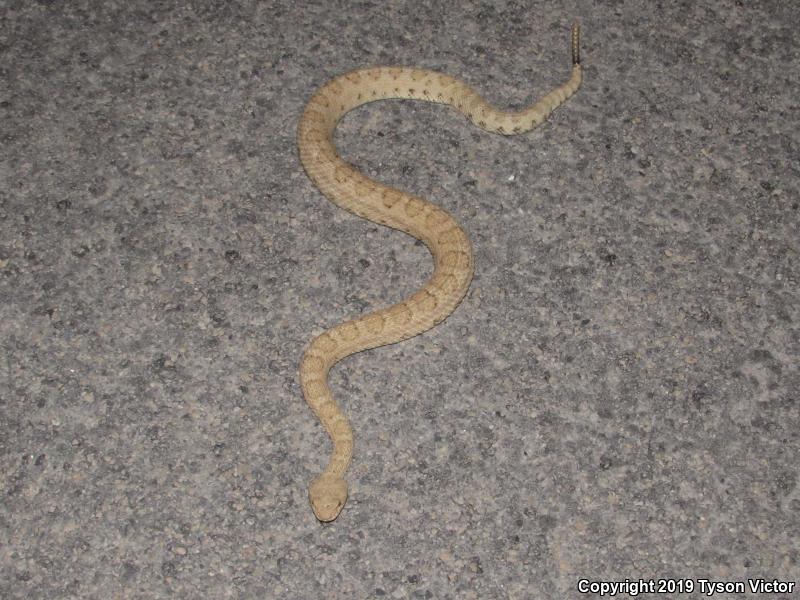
(618,397)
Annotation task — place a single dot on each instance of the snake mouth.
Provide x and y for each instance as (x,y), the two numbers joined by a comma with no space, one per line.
(327,514)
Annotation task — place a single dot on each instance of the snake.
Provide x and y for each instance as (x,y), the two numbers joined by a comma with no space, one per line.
(446,240)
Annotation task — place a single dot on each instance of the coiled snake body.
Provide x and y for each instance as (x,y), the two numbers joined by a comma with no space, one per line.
(446,240)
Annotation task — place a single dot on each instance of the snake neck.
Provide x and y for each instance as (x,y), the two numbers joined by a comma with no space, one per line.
(314,380)
(342,454)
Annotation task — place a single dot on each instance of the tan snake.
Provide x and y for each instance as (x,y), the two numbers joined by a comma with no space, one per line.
(446,240)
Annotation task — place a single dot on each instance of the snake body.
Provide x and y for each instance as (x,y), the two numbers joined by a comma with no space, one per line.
(443,236)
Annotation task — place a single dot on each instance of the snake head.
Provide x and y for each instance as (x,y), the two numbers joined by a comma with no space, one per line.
(327,494)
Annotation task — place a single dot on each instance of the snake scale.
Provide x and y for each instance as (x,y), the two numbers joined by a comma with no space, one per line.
(443,236)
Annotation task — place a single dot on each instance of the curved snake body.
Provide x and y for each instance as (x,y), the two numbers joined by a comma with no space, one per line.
(446,240)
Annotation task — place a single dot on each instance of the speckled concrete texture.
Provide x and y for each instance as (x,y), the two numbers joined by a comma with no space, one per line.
(617,397)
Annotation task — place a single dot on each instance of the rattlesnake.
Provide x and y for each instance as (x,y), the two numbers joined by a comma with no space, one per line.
(446,240)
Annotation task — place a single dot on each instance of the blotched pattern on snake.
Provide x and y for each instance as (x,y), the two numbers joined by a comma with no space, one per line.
(355,192)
